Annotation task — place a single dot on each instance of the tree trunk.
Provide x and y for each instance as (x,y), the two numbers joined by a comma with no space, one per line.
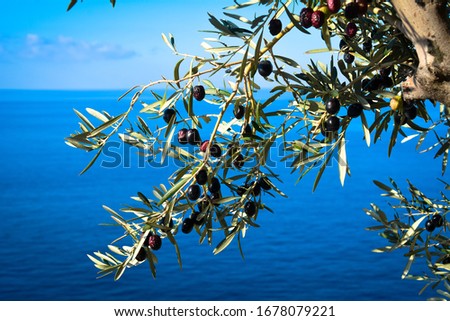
(426,23)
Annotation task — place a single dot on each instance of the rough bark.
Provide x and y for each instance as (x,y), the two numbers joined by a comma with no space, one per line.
(426,23)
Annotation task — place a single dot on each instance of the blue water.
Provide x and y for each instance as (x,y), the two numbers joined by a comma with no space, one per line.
(314,247)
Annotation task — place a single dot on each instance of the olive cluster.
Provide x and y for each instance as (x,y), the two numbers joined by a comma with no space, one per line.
(435,221)
(206,190)
(332,107)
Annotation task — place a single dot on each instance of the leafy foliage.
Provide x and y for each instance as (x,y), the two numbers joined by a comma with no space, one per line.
(368,89)
(412,229)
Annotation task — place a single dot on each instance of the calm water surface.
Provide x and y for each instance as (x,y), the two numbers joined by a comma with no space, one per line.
(313,248)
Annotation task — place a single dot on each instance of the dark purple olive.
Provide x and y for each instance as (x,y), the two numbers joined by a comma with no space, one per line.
(193,137)
(333,105)
(154,242)
(351,11)
(187,226)
(351,29)
(411,113)
(202,177)
(317,19)
(142,255)
(354,110)
(239,111)
(204,146)
(199,92)
(264,183)
(193,192)
(239,161)
(367,46)
(182,136)
(334,5)
(247,130)
(429,226)
(265,68)
(386,82)
(437,220)
(250,208)
(195,218)
(332,124)
(275,26)
(256,188)
(168,115)
(215,150)
(214,185)
(305,17)
(348,57)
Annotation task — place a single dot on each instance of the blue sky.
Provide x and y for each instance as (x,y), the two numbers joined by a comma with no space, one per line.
(94,46)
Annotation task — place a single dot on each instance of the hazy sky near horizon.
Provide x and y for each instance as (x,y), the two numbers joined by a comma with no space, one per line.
(93,46)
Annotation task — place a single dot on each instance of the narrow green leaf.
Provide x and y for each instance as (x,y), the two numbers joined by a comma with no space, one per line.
(107,259)
(225,242)
(97,114)
(84,119)
(174,189)
(238,17)
(410,259)
(342,160)
(226,200)
(365,129)
(258,47)
(443,293)
(168,43)
(288,61)
(384,187)
(92,161)
(306,160)
(316,51)
(410,232)
(326,36)
(408,138)
(382,249)
(110,210)
(266,150)
(95,261)
(144,126)
(116,250)
(243,64)
(105,125)
(258,20)
(218,25)
(120,270)
(442,149)
(393,139)
(167,145)
(71,4)
(144,199)
(176,71)
(444,162)
(321,170)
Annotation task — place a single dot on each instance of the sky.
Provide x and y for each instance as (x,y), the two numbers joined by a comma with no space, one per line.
(95,46)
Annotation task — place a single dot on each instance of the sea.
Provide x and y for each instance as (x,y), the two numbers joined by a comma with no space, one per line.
(314,246)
